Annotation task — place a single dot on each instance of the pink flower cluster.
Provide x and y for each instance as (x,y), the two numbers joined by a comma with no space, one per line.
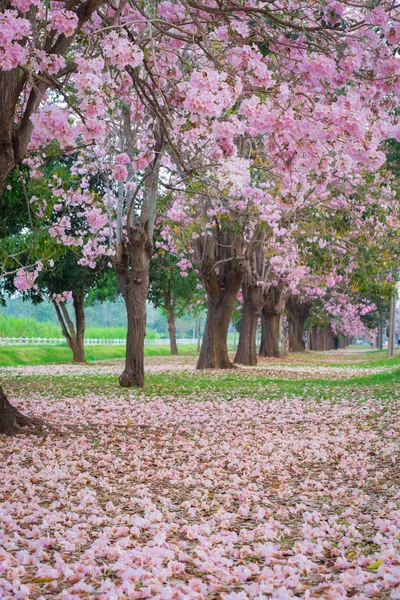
(24,280)
(63,297)
(65,22)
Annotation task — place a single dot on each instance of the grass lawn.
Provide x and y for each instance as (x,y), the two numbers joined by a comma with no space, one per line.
(13,356)
(279,481)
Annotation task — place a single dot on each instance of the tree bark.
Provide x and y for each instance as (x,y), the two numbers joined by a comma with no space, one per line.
(270,317)
(12,421)
(269,345)
(321,338)
(79,308)
(132,270)
(284,334)
(253,300)
(214,349)
(172,332)
(297,314)
(222,264)
(255,294)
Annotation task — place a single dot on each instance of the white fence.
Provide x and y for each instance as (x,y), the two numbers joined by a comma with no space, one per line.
(19,341)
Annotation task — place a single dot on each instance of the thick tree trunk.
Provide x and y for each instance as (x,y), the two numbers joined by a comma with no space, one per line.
(269,345)
(247,352)
(297,314)
(221,269)
(12,421)
(253,299)
(214,348)
(78,352)
(270,318)
(172,333)
(133,282)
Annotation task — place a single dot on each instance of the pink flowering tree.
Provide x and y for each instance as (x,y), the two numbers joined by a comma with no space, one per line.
(192,81)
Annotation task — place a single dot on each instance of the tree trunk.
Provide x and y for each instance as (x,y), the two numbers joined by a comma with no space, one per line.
(214,348)
(392,326)
(269,345)
(255,294)
(79,346)
(133,280)
(321,338)
(380,336)
(134,249)
(270,317)
(74,334)
(253,299)
(297,314)
(11,420)
(221,269)
(284,334)
(172,333)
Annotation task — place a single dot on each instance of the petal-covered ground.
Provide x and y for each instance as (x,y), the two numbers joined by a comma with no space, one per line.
(175,498)
(271,368)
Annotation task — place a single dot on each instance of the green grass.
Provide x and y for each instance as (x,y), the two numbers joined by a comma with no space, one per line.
(219,386)
(258,384)
(366,359)
(27,327)
(14,356)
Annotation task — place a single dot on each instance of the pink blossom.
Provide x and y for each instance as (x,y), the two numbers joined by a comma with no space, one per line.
(65,21)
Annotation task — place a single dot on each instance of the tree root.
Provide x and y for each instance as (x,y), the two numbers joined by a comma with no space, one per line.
(12,421)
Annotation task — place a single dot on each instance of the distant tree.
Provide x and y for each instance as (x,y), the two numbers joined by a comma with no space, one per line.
(68,280)
(171,291)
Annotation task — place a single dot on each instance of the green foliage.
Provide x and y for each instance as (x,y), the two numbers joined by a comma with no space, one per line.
(68,275)
(393,157)
(104,288)
(168,289)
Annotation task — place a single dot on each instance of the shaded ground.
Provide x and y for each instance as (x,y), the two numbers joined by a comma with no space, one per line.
(226,486)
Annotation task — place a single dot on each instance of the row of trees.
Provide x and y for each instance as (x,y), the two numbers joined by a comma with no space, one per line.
(250,138)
